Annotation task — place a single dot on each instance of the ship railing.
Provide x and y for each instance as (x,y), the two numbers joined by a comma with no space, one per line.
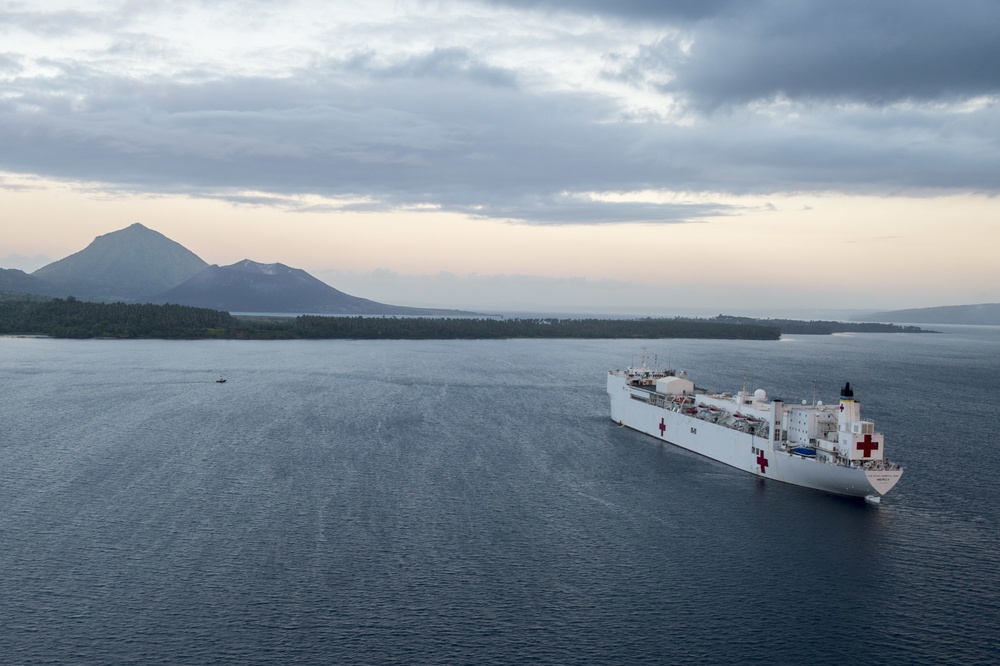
(884,465)
(879,465)
(658,399)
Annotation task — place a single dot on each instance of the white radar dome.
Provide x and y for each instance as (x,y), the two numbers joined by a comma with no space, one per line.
(760,395)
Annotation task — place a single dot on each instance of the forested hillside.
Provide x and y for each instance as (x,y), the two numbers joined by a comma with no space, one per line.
(71,318)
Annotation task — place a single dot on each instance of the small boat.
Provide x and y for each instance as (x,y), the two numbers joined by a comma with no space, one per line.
(220,380)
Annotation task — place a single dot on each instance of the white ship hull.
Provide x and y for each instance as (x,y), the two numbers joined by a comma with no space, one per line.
(768,453)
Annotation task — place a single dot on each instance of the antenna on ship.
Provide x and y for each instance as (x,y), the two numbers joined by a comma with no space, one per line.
(814,393)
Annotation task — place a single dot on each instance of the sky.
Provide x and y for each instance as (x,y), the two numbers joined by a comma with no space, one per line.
(631,157)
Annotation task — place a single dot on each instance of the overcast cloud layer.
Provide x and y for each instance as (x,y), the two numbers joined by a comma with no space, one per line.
(521,110)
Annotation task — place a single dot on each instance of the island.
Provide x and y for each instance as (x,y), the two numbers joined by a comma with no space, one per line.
(72,318)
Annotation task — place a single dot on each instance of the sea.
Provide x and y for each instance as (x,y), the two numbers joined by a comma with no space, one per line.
(471,502)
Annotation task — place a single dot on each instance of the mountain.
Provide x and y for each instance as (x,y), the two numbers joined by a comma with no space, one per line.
(13,280)
(131,264)
(986,314)
(138,264)
(248,286)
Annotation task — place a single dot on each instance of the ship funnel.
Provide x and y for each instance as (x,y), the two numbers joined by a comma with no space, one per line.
(846,393)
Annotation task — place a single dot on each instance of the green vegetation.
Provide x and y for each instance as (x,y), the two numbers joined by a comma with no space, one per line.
(21,296)
(793,326)
(425,328)
(71,318)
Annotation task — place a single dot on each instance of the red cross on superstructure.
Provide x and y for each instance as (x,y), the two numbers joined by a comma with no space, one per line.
(762,461)
(663,427)
(867,446)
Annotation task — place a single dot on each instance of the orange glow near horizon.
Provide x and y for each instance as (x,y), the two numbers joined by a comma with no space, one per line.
(939,246)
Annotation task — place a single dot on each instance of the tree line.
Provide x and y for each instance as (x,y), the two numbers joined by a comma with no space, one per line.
(70,318)
(821,327)
(472,328)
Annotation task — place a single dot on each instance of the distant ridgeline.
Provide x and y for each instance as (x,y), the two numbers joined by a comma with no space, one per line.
(795,326)
(71,318)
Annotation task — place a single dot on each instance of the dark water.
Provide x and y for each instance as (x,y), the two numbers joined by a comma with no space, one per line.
(472,503)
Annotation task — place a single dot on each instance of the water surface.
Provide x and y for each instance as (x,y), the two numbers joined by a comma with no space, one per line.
(471,502)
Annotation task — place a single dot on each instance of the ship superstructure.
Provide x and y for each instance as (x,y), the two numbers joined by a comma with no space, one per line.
(826,447)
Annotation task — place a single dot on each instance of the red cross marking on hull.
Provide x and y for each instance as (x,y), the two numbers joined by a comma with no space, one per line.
(762,461)
(663,427)
(867,446)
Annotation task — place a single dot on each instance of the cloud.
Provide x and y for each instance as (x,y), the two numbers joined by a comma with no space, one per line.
(9,64)
(632,10)
(563,209)
(439,63)
(874,53)
(498,115)
(52,23)
(16,185)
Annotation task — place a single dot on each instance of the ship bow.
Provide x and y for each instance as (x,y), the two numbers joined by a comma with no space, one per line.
(883,481)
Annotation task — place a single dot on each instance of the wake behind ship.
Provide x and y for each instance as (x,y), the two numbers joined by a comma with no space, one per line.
(826,447)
